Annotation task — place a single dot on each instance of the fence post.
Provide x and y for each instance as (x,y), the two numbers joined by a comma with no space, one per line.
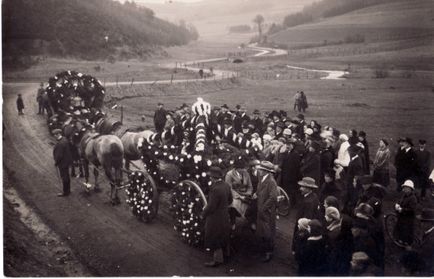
(132,81)
(171,79)
(117,80)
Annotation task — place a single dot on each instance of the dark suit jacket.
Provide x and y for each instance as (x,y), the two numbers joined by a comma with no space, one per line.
(62,153)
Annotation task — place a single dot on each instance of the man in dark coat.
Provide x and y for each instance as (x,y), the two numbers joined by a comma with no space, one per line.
(160,118)
(224,114)
(309,205)
(327,158)
(258,122)
(405,162)
(362,139)
(39,99)
(267,201)
(20,105)
(62,160)
(290,171)
(239,119)
(423,157)
(216,214)
(311,164)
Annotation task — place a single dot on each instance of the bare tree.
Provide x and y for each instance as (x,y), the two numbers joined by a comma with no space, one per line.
(259,20)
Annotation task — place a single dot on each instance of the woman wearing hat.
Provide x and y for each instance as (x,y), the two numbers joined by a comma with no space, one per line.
(216,215)
(406,209)
(266,202)
(312,258)
(381,164)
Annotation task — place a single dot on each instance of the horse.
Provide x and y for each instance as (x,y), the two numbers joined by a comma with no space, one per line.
(104,151)
(132,142)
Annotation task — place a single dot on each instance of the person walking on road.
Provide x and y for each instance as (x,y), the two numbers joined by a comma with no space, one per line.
(216,215)
(63,161)
(40,100)
(20,105)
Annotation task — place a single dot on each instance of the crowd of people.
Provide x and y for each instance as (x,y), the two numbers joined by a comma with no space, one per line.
(336,189)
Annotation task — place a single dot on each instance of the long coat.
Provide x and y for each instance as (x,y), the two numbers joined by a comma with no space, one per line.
(311,166)
(313,258)
(290,172)
(267,201)
(62,153)
(159,119)
(381,167)
(327,158)
(309,208)
(406,165)
(241,185)
(20,103)
(217,225)
(405,223)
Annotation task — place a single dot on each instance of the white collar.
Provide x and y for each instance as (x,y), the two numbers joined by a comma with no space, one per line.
(408,149)
(265,177)
(305,195)
(355,157)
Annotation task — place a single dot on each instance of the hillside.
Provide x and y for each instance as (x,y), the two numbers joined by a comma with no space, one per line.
(385,22)
(91,29)
(213,18)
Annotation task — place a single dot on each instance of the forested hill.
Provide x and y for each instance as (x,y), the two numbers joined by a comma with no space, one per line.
(86,29)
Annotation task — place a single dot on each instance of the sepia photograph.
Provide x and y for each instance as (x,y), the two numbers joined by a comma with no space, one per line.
(228,138)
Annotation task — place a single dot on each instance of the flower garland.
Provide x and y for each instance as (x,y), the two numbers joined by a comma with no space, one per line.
(140,194)
(187,205)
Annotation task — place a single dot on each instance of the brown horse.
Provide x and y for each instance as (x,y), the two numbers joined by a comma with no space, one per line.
(104,151)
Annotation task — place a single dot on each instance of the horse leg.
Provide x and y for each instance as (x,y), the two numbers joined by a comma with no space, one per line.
(96,174)
(127,164)
(85,164)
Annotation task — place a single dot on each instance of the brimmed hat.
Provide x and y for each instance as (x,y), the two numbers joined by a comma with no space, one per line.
(332,201)
(407,140)
(280,124)
(422,141)
(267,166)
(254,162)
(160,104)
(408,183)
(308,131)
(227,121)
(56,131)
(184,105)
(308,182)
(300,116)
(427,214)
(287,132)
(215,172)
(225,106)
(256,111)
(238,106)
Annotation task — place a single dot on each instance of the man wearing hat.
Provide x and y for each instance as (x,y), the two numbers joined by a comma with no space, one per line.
(405,162)
(216,215)
(406,209)
(159,118)
(62,160)
(183,113)
(239,119)
(258,122)
(423,158)
(361,265)
(309,203)
(224,114)
(266,202)
(311,163)
(20,105)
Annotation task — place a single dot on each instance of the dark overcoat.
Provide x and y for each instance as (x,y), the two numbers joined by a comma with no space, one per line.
(216,213)
(159,119)
(309,208)
(290,171)
(406,165)
(20,103)
(313,258)
(62,153)
(405,223)
(267,201)
(311,166)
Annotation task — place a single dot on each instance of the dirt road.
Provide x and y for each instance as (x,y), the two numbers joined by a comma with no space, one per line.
(108,240)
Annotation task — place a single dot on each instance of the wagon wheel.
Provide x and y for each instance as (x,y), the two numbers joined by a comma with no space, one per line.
(142,196)
(283,202)
(188,202)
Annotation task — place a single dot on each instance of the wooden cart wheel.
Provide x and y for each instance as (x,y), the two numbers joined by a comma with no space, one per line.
(283,202)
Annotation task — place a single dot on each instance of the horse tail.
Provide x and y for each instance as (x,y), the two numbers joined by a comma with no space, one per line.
(117,154)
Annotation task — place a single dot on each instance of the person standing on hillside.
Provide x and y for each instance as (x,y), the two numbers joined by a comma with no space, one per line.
(297,101)
(405,162)
(423,157)
(62,160)
(304,104)
(20,105)
(381,164)
(160,118)
(40,100)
